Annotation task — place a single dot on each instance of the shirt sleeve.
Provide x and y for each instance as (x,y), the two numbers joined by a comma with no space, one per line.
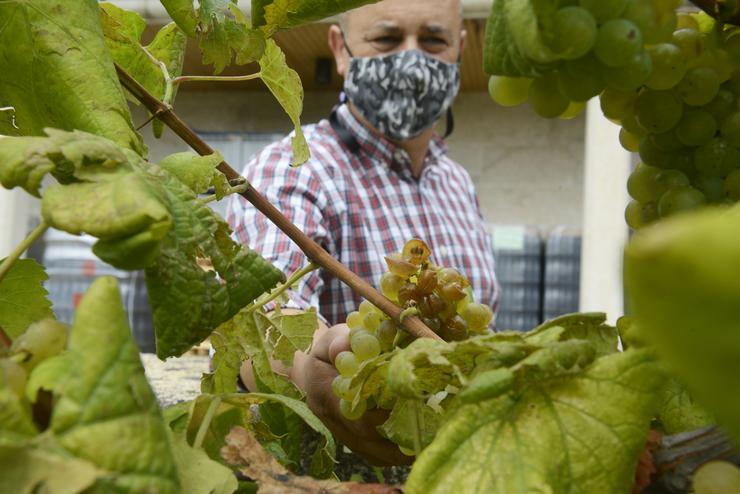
(298,193)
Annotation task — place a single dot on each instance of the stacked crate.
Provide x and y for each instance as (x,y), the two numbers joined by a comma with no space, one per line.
(562,272)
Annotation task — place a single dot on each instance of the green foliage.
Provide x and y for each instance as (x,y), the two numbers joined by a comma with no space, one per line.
(197,172)
(594,426)
(679,412)
(26,470)
(23,298)
(680,278)
(199,474)
(274,15)
(285,84)
(59,73)
(289,333)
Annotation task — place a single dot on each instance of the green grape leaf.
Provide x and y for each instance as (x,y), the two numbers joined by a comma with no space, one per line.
(55,52)
(582,326)
(49,374)
(285,84)
(69,156)
(189,302)
(679,412)
(406,418)
(594,425)
(289,333)
(682,288)
(197,172)
(184,15)
(168,46)
(222,418)
(23,298)
(225,34)
(27,469)
(105,399)
(199,474)
(16,419)
(322,464)
(274,15)
(502,55)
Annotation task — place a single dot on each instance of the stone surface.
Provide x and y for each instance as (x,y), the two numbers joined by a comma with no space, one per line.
(175,380)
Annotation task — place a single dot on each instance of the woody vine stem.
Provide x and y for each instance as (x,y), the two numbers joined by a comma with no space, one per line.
(315,253)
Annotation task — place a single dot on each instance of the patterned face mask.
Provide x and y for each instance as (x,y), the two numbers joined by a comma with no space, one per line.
(401,94)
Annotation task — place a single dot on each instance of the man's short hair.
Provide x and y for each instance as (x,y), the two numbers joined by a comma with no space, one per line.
(344,17)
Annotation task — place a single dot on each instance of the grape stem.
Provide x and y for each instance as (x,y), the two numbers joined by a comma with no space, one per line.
(714,9)
(9,261)
(313,250)
(207,419)
(294,278)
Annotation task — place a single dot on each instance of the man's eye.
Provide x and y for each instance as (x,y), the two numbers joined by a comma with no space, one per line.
(434,41)
(386,40)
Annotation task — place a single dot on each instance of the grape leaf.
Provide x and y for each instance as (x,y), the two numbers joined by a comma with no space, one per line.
(285,84)
(26,469)
(168,46)
(183,13)
(54,51)
(594,426)
(289,333)
(274,15)
(48,375)
(105,399)
(679,412)
(23,298)
(681,282)
(16,422)
(403,422)
(199,474)
(197,172)
(227,35)
(582,326)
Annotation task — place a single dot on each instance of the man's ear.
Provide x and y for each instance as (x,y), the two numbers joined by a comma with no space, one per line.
(336,44)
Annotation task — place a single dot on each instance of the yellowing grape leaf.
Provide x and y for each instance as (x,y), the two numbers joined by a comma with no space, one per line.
(679,412)
(197,172)
(16,419)
(27,469)
(183,13)
(285,84)
(288,333)
(106,400)
(578,435)
(199,474)
(58,72)
(681,279)
(23,298)
(274,15)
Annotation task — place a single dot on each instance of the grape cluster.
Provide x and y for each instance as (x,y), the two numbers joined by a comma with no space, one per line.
(716,477)
(686,129)
(594,45)
(440,296)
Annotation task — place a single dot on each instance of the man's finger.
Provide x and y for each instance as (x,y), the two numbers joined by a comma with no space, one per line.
(323,341)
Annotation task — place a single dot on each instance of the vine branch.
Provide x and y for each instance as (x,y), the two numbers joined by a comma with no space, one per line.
(294,278)
(310,248)
(21,248)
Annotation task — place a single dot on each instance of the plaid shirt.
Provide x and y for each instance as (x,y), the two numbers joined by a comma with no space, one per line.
(361,207)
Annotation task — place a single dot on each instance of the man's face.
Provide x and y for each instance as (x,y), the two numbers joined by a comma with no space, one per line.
(432,26)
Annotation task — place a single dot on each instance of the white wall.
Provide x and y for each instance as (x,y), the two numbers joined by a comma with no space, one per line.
(528,170)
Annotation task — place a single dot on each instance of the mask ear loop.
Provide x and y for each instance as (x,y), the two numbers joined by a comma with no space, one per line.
(346,45)
(450,124)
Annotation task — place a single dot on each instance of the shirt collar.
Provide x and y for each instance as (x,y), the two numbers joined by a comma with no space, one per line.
(382,149)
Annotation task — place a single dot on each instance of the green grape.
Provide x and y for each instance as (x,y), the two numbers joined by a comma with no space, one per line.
(730,129)
(666,180)
(717,157)
(616,104)
(604,10)
(42,340)
(686,21)
(690,42)
(717,60)
(340,386)
(618,41)
(477,316)
(371,321)
(545,99)
(462,304)
(711,186)
(364,345)
(508,91)
(574,32)
(390,284)
(629,141)
(722,105)
(641,183)
(629,122)
(366,307)
(643,15)
(386,335)
(716,477)
(354,320)
(680,199)
(658,111)
(696,128)
(653,155)
(345,408)
(13,376)
(699,86)
(669,66)
(732,46)
(668,141)
(346,363)
(665,21)
(575,108)
(580,80)
(451,275)
(731,186)
(630,76)
(639,215)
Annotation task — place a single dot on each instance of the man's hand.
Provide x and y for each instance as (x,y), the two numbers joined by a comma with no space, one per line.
(314,373)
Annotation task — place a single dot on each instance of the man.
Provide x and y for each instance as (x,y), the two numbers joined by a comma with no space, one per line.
(378,176)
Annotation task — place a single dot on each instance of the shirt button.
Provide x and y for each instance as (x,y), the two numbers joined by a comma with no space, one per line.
(398,156)
(442,251)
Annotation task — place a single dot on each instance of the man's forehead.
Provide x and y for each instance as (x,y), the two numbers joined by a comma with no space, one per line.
(432,15)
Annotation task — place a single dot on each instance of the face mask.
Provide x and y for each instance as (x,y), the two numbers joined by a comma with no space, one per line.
(401,94)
